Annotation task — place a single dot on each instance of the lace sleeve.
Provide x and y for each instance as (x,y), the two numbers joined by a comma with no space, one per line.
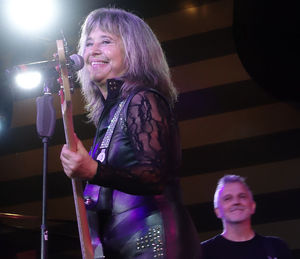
(148,121)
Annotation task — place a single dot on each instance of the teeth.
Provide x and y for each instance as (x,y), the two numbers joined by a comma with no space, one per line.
(98,62)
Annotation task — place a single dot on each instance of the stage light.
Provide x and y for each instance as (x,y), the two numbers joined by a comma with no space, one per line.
(28,80)
(30,15)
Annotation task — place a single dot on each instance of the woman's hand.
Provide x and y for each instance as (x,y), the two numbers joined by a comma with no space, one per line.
(78,164)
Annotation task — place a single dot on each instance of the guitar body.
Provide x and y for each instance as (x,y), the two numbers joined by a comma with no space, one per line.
(66,108)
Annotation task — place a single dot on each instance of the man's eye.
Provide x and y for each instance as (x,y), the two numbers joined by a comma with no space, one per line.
(88,44)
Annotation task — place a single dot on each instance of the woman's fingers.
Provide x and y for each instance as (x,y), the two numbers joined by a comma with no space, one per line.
(78,164)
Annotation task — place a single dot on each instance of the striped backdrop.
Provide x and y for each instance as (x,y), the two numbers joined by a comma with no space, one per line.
(228,124)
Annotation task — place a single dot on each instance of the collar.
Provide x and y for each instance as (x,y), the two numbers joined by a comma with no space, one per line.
(113,88)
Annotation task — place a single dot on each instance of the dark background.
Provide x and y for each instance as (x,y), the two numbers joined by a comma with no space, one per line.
(236,66)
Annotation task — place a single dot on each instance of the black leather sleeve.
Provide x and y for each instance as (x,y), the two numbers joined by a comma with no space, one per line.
(149,121)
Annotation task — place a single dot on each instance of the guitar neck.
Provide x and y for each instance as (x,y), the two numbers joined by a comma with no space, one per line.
(83,228)
(66,108)
(82,222)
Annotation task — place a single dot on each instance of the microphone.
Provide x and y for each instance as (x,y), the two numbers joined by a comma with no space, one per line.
(75,61)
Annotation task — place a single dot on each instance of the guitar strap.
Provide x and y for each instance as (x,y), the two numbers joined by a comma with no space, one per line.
(94,194)
(91,192)
(109,133)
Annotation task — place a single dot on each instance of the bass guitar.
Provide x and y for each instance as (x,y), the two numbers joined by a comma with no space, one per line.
(66,109)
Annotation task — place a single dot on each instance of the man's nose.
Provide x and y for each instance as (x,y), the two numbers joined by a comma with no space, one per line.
(236,200)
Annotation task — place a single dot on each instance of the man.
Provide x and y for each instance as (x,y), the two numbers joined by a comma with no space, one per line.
(234,205)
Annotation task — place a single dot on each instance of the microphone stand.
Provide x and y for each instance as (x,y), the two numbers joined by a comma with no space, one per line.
(45,127)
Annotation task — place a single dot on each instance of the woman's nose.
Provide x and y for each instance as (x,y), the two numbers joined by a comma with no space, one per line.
(95,49)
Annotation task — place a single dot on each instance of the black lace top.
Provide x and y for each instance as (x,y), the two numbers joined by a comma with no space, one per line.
(144,152)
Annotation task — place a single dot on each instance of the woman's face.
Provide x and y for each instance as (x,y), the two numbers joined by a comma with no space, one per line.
(104,56)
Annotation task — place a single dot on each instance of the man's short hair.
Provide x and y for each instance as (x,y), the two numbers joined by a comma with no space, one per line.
(229,178)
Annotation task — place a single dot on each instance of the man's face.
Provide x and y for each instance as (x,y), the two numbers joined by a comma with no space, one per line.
(235,204)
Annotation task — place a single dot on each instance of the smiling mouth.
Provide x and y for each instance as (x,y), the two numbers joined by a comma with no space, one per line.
(95,63)
(236,209)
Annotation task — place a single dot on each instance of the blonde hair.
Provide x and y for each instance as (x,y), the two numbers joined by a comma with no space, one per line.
(145,61)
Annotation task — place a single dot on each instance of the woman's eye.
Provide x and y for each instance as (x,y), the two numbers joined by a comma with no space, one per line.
(106,42)
(88,44)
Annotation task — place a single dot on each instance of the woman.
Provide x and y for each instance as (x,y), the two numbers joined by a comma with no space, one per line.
(132,195)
